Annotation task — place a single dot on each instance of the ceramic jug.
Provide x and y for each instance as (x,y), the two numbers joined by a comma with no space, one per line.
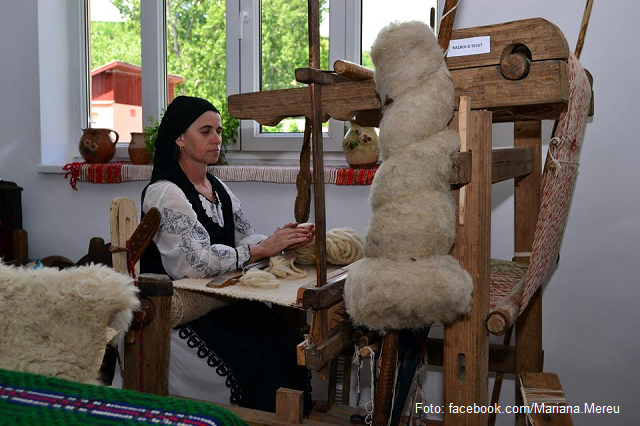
(97,145)
(360,146)
(138,148)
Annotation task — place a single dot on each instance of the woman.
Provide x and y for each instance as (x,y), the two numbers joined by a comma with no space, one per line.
(204,233)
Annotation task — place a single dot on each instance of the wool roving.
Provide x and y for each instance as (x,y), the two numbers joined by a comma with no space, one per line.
(410,119)
(407,279)
(418,225)
(56,322)
(428,163)
(405,54)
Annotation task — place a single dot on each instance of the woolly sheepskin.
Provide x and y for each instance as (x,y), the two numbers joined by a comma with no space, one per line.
(417,226)
(384,294)
(417,115)
(404,55)
(55,322)
(424,165)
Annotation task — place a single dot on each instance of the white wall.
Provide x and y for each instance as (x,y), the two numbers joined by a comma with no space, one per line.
(590,305)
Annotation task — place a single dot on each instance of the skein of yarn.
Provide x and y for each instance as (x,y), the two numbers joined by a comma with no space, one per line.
(344,246)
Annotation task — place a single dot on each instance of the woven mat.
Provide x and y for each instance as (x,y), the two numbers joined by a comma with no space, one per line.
(127,172)
(285,295)
(29,399)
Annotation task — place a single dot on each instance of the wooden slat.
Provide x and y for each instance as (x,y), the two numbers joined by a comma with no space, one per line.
(158,289)
(20,247)
(545,87)
(311,75)
(386,379)
(446,25)
(289,404)
(551,382)
(318,356)
(527,206)
(542,38)
(466,348)
(322,297)
(541,95)
(123,218)
(509,163)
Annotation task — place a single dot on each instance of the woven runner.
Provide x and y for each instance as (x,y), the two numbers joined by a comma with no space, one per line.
(28,399)
(127,172)
(284,295)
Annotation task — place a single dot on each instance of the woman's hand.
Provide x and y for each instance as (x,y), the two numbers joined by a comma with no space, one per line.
(289,236)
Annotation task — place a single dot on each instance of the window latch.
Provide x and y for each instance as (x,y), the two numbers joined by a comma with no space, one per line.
(244,17)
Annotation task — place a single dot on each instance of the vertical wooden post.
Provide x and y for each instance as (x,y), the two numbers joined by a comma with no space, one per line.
(289,405)
(386,379)
(466,343)
(151,356)
(320,319)
(528,134)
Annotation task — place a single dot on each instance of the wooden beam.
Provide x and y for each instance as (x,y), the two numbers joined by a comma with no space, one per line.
(386,379)
(541,95)
(502,358)
(318,356)
(446,24)
(466,349)
(322,297)
(352,71)
(311,75)
(527,206)
(544,40)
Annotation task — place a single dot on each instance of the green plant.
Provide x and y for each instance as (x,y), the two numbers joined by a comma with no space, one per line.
(150,136)
(230,128)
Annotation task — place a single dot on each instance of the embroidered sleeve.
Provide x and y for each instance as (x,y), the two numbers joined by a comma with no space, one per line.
(183,242)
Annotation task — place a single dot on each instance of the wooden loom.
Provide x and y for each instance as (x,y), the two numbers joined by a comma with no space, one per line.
(522,80)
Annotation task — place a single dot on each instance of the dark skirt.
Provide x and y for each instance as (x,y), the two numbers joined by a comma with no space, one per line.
(254,349)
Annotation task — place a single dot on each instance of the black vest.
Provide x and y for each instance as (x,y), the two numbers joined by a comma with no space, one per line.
(151,262)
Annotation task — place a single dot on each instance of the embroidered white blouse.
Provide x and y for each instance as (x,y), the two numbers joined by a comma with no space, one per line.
(183,242)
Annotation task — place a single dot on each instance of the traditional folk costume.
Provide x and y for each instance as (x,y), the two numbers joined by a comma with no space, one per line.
(243,345)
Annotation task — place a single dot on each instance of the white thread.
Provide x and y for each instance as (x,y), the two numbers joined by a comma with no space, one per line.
(255,277)
(283,266)
(372,360)
(554,144)
(522,254)
(532,396)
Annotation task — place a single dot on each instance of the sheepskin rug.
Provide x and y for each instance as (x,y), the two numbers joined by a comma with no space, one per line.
(407,278)
(57,322)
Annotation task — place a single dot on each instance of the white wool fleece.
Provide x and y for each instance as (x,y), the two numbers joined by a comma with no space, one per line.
(404,54)
(416,226)
(385,294)
(54,322)
(420,166)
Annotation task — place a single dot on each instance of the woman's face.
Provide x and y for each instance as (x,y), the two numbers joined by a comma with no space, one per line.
(201,141)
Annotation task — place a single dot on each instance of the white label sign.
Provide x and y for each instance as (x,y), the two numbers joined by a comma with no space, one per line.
(469,46)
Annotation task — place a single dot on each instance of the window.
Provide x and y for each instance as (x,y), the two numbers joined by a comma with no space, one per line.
(186,47)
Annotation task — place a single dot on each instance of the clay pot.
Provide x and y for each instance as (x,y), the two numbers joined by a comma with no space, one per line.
(360,146)
(97,146)
(138,149)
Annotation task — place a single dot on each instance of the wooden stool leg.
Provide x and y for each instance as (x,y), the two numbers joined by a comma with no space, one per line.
(466,344)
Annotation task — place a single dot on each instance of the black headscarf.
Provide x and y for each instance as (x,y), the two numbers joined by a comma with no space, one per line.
(180,114)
